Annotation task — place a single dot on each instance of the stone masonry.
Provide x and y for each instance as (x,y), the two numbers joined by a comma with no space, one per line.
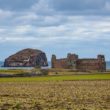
(73,62)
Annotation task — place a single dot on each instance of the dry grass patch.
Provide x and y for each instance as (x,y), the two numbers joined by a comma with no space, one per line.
(61,95)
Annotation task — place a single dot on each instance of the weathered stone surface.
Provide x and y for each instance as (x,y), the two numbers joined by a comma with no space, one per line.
(27,58)
(73,62)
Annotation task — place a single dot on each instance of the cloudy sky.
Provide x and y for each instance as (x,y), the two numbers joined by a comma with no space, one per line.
(55,26)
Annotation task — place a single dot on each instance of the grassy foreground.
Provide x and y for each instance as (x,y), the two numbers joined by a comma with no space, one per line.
(58,78)
(57,95)
(63,92)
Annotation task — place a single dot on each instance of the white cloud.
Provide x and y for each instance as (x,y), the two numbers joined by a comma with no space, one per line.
(74,29)
(43,24)
(22,29)
(42,8)
(2,30)
(27,17)
(5,14)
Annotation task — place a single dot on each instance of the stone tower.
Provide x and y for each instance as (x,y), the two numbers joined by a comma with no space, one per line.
(53,60)
(72,61)
(102,62)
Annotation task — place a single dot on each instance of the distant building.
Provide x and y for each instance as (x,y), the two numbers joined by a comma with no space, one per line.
(73,62)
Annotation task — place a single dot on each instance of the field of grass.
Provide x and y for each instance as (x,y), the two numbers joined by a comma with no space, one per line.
(57,95)
(58,78)
(59,92)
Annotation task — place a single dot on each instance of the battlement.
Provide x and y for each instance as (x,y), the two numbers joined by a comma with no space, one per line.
(72,56)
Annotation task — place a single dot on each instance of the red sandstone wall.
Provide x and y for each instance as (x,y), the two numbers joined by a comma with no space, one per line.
(81,64)
(60,63)
(88,64)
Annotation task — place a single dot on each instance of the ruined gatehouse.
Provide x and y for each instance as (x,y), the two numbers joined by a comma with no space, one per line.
(74,62)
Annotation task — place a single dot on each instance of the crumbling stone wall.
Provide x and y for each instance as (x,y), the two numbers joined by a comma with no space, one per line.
(73,62)
(69,62)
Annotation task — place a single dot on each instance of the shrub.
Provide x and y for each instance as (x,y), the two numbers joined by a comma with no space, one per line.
(44,71)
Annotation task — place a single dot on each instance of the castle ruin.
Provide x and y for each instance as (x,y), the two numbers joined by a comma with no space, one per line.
(73,62)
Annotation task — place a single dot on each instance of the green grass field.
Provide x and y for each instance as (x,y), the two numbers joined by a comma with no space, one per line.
(58,78)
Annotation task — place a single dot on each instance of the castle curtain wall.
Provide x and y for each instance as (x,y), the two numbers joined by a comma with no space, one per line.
(88,64)
(73,62)
(60,63)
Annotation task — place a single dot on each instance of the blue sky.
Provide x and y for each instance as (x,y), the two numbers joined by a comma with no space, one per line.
(55,26)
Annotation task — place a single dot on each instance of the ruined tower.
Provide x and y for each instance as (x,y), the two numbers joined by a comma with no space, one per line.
(53,60)
(102,62)
(72,61)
